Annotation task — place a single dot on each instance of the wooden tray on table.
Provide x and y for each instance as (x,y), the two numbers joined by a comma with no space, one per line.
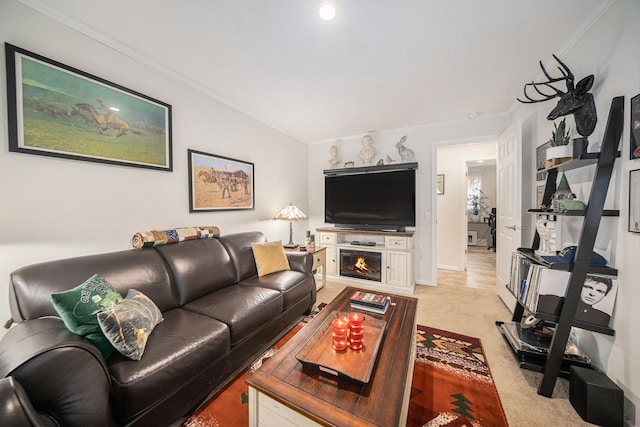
(356,365)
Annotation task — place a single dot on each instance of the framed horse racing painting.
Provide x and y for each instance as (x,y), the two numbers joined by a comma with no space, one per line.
(59,111)
(218,183)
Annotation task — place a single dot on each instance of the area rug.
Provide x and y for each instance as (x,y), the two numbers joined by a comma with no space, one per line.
(452,386)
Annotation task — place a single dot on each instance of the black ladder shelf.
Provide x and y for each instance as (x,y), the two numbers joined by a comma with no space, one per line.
(581,266)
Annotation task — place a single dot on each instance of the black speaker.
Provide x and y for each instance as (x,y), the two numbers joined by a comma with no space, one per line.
(595,397)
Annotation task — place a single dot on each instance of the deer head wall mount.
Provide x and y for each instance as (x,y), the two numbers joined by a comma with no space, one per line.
(576,100)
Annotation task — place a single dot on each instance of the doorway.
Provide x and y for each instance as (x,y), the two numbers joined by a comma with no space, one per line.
(481,203)
(460,232)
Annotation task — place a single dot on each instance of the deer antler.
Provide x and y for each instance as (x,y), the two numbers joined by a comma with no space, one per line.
(567,76)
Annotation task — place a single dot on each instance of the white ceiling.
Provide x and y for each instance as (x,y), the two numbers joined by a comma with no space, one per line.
(381,64)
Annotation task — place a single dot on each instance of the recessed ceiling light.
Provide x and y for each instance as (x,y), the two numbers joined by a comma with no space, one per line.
(327,11)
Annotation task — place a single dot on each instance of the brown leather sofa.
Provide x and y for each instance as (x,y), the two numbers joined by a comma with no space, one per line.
(218,315)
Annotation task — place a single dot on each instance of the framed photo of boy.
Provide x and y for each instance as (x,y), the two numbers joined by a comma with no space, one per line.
(218,183)
(59,111)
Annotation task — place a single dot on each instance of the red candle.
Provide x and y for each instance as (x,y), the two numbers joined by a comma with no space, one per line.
(356,344)
(339,343)
(355,319)
(356,335)
(340,326)
(356,331)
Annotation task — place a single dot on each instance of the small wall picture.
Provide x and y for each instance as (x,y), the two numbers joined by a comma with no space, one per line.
(219,183)
(634,151)
(440,184)
(634,201)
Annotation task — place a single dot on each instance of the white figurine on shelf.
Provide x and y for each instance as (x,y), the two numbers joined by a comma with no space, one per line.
(367,152)
(547,232)
(334,160)
(406,154)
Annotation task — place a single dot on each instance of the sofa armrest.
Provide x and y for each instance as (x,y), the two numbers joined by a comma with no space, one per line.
(300,261)
(64,375)
(16,409)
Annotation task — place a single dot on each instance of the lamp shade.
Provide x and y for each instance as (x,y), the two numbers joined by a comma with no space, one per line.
(290,213)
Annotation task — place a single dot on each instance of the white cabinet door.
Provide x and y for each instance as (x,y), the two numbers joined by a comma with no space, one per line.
(397,268)
(332,262)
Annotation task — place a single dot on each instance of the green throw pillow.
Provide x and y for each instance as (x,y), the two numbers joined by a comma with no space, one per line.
(78,308)
(129,324)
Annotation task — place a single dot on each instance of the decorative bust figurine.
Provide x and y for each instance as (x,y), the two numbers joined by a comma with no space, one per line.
(367,152)
(334,160)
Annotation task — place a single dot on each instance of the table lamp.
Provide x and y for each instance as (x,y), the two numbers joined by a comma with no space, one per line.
(290,213)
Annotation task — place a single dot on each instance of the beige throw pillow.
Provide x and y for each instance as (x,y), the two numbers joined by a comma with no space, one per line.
(270,257)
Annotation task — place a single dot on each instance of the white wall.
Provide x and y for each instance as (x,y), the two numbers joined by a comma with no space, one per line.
(452,205)
(421,140)
(55,208)
(610,50)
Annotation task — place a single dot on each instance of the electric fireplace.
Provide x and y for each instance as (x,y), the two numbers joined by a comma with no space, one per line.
(361,264)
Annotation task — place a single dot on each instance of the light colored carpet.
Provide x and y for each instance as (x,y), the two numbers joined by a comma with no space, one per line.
(473,311)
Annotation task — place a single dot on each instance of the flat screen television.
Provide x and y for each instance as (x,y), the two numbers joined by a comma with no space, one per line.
(371,200)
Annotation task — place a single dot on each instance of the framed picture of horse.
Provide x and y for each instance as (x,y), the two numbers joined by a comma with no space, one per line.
(59,111)
(218,183)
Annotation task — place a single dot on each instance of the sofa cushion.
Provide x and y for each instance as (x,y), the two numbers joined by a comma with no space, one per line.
(243,309)
(128,325)
(239,247)
(199,267)
(179,350)
(79,306)
(293,285)
(270,257)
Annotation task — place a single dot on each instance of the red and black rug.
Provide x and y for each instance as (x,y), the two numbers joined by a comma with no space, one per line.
(452,386)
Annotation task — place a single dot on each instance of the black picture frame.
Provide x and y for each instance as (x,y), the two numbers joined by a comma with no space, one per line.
(634,131)
(634,201)
(212,177)
(59,111)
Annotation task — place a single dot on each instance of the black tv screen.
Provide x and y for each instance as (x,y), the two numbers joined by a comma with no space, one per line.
(375,200)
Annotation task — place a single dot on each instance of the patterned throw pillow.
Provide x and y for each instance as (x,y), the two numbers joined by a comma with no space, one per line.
(78,308)
(128,325)
(270,257)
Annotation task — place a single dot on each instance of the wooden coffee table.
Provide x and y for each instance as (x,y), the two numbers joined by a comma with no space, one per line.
(285,392)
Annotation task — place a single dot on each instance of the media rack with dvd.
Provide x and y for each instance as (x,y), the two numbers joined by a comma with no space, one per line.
(554,361)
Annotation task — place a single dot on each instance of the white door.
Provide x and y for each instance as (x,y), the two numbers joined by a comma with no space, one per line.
(509,206)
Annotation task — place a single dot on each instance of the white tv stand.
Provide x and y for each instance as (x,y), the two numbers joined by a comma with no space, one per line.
(395,248)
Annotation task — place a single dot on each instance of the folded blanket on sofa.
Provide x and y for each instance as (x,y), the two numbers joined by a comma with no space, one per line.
(147,239)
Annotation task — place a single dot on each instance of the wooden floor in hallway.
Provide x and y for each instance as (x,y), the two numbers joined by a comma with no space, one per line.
(480,274)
